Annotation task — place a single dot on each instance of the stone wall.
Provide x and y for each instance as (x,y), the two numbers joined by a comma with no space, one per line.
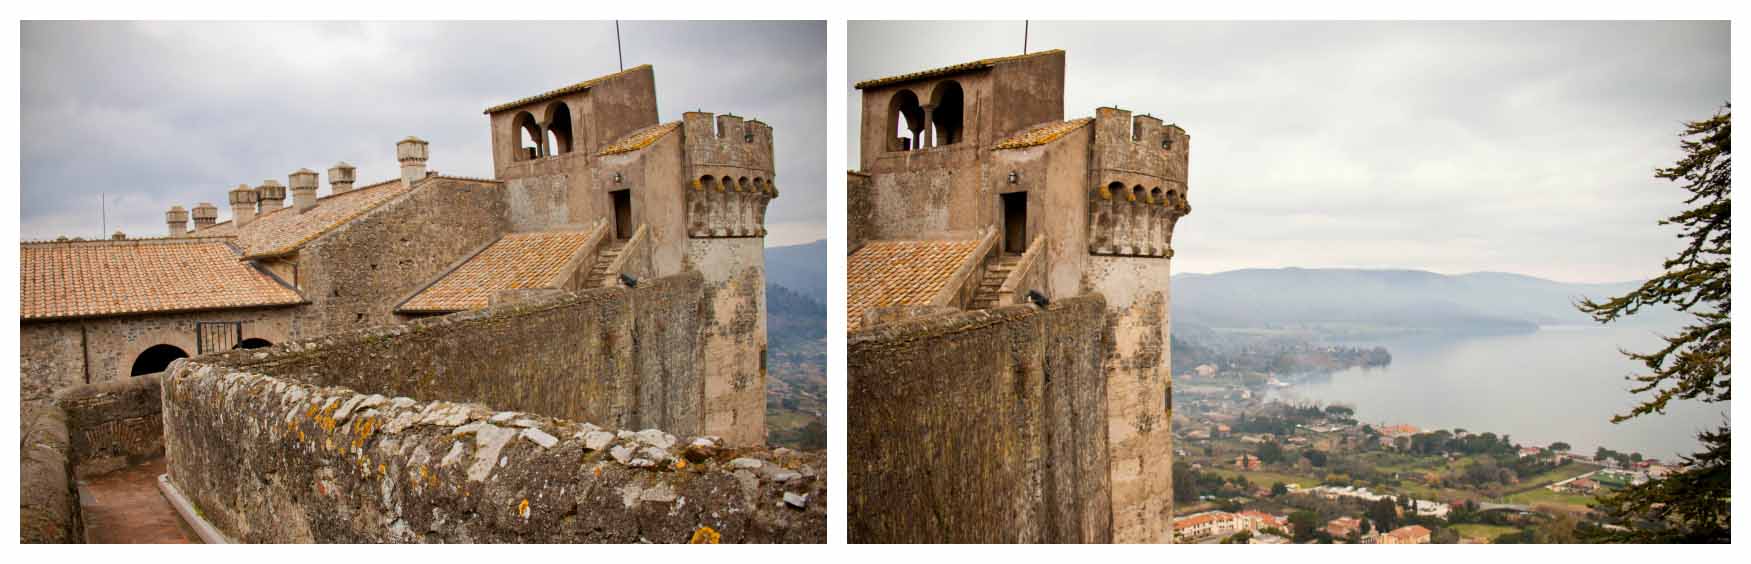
(55,355)
(48,503)
(734,336)
(1137,362)
(356,274)
(113,424)
(983,426)
(616,356)
(859,210)
(273,459)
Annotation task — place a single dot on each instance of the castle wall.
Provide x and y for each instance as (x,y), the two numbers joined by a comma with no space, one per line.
(1054,176)
(860,224)
(986,426)
(734,313)
(48,500)
(655,177)
(356,274)
(1137,368)
(275,459)
(113,425)
(56,355)
(558,190)
(612,356)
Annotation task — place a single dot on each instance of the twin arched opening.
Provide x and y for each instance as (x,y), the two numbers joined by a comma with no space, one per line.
(553,135)
(919,126)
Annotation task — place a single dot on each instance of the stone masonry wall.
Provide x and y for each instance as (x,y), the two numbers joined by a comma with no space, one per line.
(616,356)
(983,426)
(274,459)
(55,355)
(734,337)
(1137,365)
(113,425)
(48,503)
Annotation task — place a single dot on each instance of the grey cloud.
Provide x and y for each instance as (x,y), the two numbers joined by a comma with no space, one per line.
(1454,146)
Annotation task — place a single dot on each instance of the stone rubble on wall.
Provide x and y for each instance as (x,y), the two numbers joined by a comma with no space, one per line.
(48,507)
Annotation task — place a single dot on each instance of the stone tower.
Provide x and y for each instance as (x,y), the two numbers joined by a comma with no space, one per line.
(981,152)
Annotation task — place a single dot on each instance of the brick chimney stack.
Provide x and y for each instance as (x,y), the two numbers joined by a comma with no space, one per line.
(412,152)
(340,178)
(177,218)
(303,185)
(272,196)
(118,236)
(206,214)
(243,199)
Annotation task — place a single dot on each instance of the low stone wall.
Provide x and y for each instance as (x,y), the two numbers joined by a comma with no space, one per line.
(272,459)
(982,426)
(626,358)
(113,424)
(48,504)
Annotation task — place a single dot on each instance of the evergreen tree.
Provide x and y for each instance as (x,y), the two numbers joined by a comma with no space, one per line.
(1690,506)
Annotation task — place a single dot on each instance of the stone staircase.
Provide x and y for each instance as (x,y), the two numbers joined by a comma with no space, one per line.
(996,271)
(599,271)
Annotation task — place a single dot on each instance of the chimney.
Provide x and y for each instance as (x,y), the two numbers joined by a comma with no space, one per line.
(412,153)
(206,214)
(340,178)
(118,236)
(177,218)
(243,200)
(303,189)
(272,196)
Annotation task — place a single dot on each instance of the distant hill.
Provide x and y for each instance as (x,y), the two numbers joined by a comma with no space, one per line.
(801,268)
(1370,301)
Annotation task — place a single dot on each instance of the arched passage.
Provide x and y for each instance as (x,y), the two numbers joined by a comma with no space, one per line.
(948,112)
(155,359)
(254,343)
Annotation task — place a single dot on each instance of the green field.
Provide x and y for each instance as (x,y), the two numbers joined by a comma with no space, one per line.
(1561,473)
(1477,530)
(1265,478)
(1541,495)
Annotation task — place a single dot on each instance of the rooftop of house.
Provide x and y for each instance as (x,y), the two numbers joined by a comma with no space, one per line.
(895,273)
(281,232)
(1041,134)
(1409,532)
(80,279)
(515,261)
(564,90)
(951,69)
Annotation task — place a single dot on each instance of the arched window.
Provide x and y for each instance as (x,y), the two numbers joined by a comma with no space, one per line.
(254,343)
(528,134)
(907,117)
(1155,195)
(948,115)
(729,184)
(743,184)
(155,359)
(1137,194)
(559,129)
(760,185)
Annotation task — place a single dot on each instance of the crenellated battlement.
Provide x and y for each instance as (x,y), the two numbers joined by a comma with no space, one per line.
(730,172)
(1138,184)
(728,141)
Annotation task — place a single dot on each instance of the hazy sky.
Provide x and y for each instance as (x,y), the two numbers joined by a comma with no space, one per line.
(158,114)
(1452,147)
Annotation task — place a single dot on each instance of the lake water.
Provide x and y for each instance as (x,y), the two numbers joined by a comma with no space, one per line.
(1558,384)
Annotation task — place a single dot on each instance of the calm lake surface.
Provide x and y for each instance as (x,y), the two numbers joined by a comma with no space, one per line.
(1559,384)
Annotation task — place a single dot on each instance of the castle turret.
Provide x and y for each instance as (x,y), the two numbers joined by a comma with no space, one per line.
(206,214)
(412,152)
(177,219)
(272,195)
(243,202)
(303,184)
(340,178)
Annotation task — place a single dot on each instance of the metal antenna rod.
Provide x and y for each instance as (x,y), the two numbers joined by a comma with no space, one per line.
(617,52)
(103,207)
(1024,30)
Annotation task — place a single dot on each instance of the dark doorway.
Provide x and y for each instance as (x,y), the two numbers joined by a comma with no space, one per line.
(155,359)
(1015,222)
(254,343)
(622,213)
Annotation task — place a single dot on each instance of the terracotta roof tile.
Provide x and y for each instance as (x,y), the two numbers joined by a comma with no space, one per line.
(1042,134)
(104,278)
(891,273)
(222,229)
(951,69)
(555,93)
(517,260)
(284,230)
(639,139)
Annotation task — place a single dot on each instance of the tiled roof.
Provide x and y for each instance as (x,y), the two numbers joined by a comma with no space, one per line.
(892,273)
(1042,134)
(548,95)
(1409,532)
(222,229)
(517,260)
(282,231)
(951,69)
(104,278)
(639,139)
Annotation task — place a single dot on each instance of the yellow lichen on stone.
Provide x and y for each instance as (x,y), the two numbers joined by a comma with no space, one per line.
(680,464)
(523,509)
(705,535)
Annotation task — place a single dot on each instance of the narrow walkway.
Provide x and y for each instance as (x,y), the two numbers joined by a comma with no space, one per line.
(125,507)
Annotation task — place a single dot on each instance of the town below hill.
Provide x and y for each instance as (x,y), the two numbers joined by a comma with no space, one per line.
(796,346)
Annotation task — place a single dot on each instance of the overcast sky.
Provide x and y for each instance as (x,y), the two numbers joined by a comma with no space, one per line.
(158,114)
(1452,147)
